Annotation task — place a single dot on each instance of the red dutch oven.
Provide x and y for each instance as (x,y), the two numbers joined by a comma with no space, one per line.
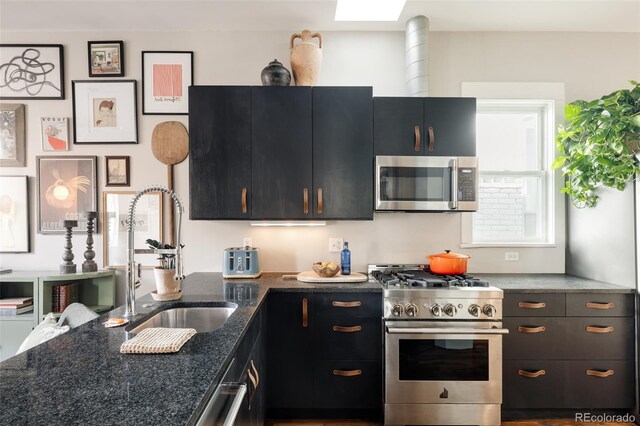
(448,263)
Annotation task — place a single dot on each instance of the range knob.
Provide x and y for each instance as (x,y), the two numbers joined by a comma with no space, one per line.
(397,310)
(436,310)
(474,310)
(411,309)
(450,310)
(489,310)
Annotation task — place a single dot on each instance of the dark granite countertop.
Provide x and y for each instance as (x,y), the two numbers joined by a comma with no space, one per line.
(549,283)
(81,377)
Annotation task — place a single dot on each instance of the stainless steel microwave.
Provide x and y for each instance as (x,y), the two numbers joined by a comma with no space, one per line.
(422,183)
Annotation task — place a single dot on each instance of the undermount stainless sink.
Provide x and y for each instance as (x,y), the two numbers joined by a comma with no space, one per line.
(202,318)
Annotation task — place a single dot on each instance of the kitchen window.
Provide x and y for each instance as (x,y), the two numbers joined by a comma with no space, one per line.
(518,198)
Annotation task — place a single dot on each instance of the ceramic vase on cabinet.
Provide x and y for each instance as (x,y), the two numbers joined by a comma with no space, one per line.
(306,57)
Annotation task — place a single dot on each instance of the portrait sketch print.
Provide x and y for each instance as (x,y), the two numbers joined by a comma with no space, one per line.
(67,190)
(166,77)
(12,135)
(104,111)
(31,71)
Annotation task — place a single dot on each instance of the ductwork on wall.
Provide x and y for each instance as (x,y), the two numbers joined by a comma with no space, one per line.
(417,56)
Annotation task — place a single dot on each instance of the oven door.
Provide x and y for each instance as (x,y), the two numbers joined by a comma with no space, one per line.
(443,364)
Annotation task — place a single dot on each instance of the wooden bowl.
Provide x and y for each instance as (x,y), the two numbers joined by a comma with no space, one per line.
(326,269)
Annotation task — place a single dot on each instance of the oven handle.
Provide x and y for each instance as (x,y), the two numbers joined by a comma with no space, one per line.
(446,330)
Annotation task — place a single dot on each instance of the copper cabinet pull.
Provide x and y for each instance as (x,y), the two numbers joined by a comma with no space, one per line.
(597,305)
(354,304)
(597,329)
(306,201)
(347,373)
(531,374)
(531,305)
(530,330)
(416,130)
(305,313)
(255,385)
(601,374)
(255,370)
(320,207)
(244,200)
(432,139)
(342,329)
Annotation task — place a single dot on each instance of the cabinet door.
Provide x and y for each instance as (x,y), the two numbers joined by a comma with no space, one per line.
(281,153)
(342,153)
(450,126)
(290,355)
(219,152)
(398,126)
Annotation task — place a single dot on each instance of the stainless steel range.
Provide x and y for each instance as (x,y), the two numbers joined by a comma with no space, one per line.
(443,347)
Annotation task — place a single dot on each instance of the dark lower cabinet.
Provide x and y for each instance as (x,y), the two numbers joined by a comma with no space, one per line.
(219,152)
(332,368)
(582,357)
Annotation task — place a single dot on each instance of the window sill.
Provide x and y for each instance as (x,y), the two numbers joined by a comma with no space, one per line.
(507,244)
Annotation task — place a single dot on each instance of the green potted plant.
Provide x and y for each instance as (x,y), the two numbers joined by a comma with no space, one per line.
(599,144)
(165,273)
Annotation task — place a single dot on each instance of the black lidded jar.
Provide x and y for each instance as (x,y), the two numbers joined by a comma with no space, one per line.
(275,74)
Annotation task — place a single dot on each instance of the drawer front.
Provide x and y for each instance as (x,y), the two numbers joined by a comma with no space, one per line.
(529,384)
(346,337)
(350,304)
(599,338)
(600,305)
(600,384)
(534,338)
(533,384)
(534,304)
(348,384)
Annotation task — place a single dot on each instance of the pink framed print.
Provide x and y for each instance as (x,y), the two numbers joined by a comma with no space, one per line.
(166,77)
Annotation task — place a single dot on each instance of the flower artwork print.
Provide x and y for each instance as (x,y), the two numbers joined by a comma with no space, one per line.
(14,214)
(104,112)
(167,82)
(55,134)
(67,191)
(8,143)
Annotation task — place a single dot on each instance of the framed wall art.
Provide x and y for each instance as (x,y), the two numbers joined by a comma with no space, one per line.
(106,58)
(166,77)
(31,71)
(104,112)
(67,190)
(12,141)
(14,214)
(55,133)
(117,171)
(148,224)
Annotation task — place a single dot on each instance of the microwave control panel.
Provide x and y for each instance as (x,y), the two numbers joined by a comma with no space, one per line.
(466,184)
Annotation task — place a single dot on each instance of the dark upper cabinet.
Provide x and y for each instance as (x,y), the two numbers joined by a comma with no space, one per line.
(281,153)
(220,152)
(342,153)
(397,126)
(424,126)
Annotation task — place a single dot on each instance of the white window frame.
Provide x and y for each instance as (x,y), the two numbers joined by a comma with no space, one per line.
(549,96)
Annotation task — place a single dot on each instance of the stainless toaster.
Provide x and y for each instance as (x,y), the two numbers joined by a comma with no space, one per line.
(241,262)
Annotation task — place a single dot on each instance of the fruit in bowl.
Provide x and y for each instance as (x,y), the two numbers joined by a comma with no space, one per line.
(326,269)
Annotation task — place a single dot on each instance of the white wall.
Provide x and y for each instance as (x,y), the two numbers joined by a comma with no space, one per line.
(588,63)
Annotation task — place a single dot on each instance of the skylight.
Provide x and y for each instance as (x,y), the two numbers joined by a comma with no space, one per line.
(369,10)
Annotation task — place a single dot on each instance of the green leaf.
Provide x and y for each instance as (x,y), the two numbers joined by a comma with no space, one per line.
(558,162)
(571,111)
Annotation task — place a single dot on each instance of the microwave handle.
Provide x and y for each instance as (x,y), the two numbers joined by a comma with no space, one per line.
(453,204)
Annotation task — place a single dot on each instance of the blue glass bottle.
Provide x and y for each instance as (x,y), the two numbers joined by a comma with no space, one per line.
(345,260)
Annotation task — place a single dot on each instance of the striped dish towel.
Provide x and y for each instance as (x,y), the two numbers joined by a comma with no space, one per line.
(158,341)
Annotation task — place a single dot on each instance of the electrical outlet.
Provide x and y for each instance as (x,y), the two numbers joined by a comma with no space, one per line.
(335,245)
(247,242)
(511,256)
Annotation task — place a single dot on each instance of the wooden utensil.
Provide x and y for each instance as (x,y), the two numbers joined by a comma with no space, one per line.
(170,145)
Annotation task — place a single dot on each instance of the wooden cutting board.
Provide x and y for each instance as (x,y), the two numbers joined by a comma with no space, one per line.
(312,277)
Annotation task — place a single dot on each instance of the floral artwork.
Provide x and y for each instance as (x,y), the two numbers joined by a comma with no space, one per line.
(55,134)
(12,141)
(67,191)
(14,214)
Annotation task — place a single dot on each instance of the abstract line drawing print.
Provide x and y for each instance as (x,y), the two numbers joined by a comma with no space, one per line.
(26,74)
(167,80)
